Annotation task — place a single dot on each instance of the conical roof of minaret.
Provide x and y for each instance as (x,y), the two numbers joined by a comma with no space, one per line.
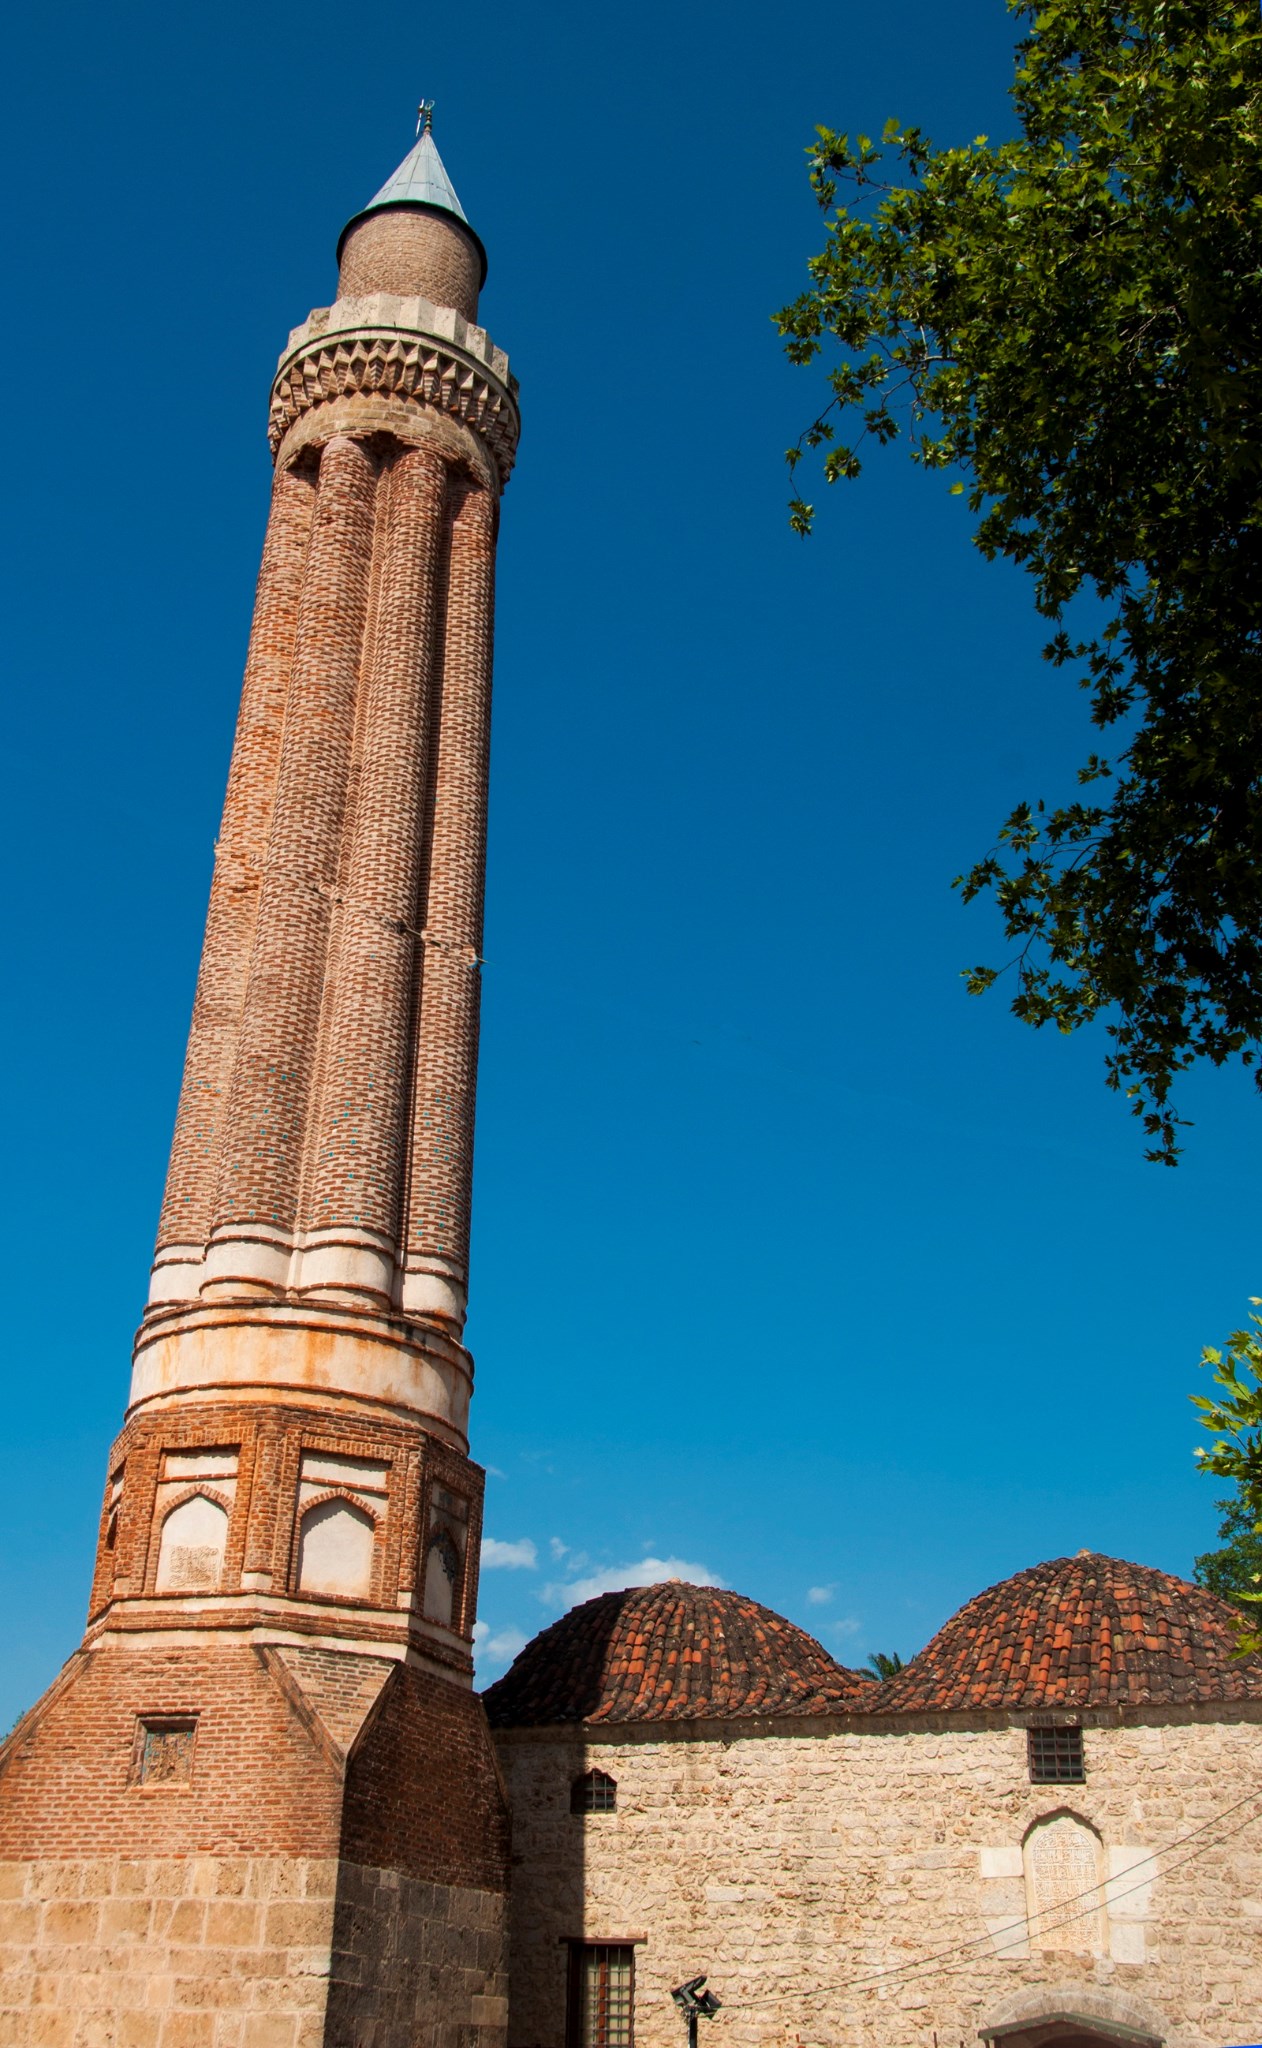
(421,183)
(421,180)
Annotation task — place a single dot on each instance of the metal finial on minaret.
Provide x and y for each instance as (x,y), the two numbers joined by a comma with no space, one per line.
(424,118)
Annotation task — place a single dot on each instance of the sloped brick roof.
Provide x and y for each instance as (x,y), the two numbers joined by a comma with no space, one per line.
(670,1652)
(1085,1631)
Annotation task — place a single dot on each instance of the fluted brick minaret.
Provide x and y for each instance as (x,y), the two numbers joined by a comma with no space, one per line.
(278,1656)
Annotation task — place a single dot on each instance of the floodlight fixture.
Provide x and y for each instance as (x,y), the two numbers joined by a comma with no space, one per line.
(695,2003)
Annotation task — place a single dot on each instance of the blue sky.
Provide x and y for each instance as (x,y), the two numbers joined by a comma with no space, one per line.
(792,1264)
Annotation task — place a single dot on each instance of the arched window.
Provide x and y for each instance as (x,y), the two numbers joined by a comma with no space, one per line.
(442,1569)
(190,1555)
(594,1792)
(335,1546)
(113,1505)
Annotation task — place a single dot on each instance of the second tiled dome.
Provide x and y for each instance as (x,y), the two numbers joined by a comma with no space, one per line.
(1085,1631)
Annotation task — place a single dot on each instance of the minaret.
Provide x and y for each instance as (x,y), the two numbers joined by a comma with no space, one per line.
(273,1698)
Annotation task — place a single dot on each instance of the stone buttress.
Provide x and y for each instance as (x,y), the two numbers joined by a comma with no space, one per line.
(259,1808)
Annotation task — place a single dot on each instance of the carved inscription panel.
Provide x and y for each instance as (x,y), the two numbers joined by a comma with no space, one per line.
(1063,1878)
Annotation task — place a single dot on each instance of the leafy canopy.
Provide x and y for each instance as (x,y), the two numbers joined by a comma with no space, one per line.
(1071,322)
(1233,1420)
(1235,1569)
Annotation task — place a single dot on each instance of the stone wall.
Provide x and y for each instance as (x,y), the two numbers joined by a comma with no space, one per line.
(885,1886)
(165,1951)
(416,1963)
(245,1952)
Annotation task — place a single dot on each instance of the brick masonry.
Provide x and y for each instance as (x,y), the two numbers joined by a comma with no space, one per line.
(188,1208)
(357,1165)
(446,1044)
(402,250)
(261,1161)
(324,1138)
(418,1484)
(316,1075)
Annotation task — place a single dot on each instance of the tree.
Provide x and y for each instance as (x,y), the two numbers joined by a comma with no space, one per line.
(1233,1419)
(883,1665)
(1071,324)
(1236,1569)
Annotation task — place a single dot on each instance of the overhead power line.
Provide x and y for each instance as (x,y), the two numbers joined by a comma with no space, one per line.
(963,1955)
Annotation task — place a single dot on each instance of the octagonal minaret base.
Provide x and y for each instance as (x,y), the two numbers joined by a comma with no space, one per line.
(259,1808)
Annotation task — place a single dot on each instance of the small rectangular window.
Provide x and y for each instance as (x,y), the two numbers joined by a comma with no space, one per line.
(164,1750)
(1056,1756)
(601,1996)
(594,1792)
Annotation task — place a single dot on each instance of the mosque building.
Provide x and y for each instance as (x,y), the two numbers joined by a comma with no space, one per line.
(262,1805)
(1044,1832)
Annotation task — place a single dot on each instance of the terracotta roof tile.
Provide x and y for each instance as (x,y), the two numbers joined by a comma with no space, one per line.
(1085,1631)
(670,1652)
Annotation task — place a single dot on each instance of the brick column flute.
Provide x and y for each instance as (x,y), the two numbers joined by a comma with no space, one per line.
(356,1166)
(262,1156)
(193,1175)
(445,1079)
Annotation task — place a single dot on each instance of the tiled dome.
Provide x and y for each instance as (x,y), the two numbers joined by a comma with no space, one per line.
(670,1652)
(1085,1631)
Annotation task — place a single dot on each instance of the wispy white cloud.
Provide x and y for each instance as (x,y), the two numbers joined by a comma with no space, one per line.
(495,1647)
(513,1557)
(819,1596)
(612,1578)
(847,1626)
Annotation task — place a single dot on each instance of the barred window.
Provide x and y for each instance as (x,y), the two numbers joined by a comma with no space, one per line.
(1056,1756)
(594,1792)
(601,1996)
